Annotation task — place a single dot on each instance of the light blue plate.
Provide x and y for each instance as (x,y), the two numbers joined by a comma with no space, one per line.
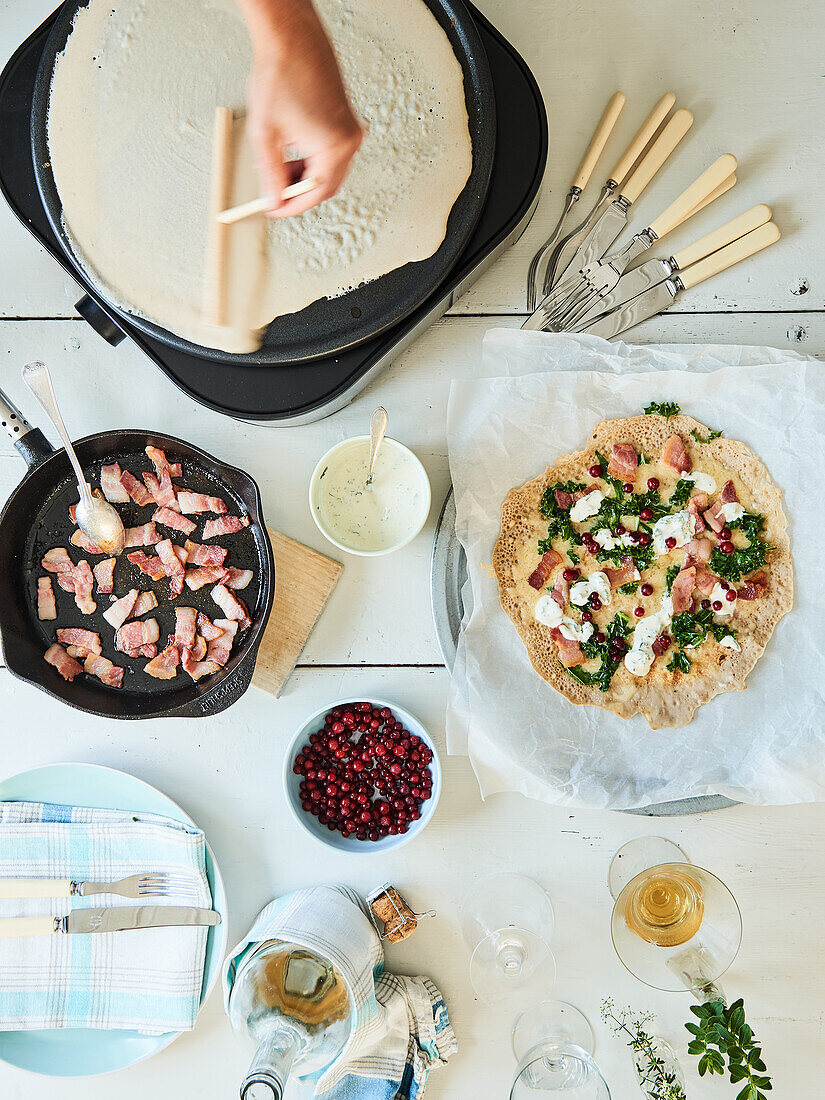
(85,1052)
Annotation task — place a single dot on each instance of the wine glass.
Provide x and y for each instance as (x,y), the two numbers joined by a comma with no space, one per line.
(553,1044)
(675,925)
(508,922)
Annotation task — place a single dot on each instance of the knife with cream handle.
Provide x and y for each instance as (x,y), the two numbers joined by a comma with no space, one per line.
(656,271)
(566,249)
(119,919)
(662,295)
(574,296)
(588,162)
(613,219)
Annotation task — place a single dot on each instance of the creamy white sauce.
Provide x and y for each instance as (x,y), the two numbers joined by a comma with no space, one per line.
(719,594)
(379,517)
(678,526)
(640,656)
(548,612)
(730,643)
(587,506)
(609,541)
(731,512)
(597,582)
(703,482)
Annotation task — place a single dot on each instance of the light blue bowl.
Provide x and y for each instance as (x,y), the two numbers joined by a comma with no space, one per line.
(87,1052)
(335,839)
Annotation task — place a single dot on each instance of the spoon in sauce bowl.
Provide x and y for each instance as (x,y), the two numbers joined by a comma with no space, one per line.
(95,516)
(378,429)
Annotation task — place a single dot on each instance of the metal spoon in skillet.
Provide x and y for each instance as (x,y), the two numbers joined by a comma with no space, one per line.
(96,518)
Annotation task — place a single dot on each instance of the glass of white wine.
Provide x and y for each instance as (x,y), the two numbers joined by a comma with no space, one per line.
(675,926)
(508,923)
(553,1044)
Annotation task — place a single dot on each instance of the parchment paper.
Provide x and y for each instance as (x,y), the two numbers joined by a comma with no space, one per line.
(763,745)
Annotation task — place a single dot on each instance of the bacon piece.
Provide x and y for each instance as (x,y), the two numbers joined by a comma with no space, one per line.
(150,650)
(161,463)
(73,512)
(133,635)
(237,578)
(198,554)
(207,628)
(706,580)
(563,499)
(221,647)
(165,665)
(46,607)
(698,550)
(714,517)
(623,460)
(696,505)
(675,455)
(146,601)
(754,587)
(570,653)
(151,566)
(113,488)
(728,494)
(561,592)
(172,565)
(232,607)
(77,636)
(200,502)
(661,644)
(539,577)
(166,496)
(110,674)
(198,669)
(626,573)
(682,589)
(584,492)
(138,493)
(83,579)
(79,652)
(57,561)
(67,666)
(81,539)
(180,552)
(226,525)
(204,574)
(121,609)
(104,573)
(185,619)
(145,535)
(198,651)
(174,520)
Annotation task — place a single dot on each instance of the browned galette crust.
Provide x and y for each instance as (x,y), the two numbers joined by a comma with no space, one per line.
(663,697)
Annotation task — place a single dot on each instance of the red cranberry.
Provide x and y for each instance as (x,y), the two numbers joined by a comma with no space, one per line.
(594,601)
(600,637)
(634,536)
(717,605)
(638,612)
(627,488)
(647,589)
(730,596)
(670,543)
(665,641)
(621,529)
(725,534)
(595,470)
(705,604)
(646,513)
(653,483)
(587,616)
(643,539)
(571,574)
(726,547)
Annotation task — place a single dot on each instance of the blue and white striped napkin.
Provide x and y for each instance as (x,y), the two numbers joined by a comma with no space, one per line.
(148,980)
(401,1029)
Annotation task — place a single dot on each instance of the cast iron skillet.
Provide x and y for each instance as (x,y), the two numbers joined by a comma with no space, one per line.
(35,518)
(329,325)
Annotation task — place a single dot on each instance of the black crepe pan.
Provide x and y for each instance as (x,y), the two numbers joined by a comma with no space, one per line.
(35,518)
(332,325)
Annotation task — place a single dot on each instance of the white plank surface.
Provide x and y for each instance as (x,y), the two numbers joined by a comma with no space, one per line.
(753,75)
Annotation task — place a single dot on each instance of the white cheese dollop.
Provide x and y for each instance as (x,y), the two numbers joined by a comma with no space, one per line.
(587,506)
(597,582)
(731,512)
(640,656)
(608,541)
(719,594)
(703,482)
(548,612)
(730,643)
(678,526)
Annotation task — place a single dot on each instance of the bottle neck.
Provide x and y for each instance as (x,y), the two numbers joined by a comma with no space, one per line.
(268,1075)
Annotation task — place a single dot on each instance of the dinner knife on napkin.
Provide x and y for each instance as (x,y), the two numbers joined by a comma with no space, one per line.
(118,919)
(659,297)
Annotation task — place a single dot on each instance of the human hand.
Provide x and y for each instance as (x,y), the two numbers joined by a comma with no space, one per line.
(297,100)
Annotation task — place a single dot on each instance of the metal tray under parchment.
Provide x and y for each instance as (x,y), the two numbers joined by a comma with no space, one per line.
(448,574)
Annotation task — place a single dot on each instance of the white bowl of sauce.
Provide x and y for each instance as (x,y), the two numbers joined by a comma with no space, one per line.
(376,519)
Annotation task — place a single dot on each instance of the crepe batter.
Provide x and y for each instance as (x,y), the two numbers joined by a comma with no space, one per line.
(130,141)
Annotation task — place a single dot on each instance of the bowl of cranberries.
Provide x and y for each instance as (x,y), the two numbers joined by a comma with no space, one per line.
(362,776)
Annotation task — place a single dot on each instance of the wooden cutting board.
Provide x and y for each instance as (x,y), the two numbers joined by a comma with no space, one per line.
(304,580)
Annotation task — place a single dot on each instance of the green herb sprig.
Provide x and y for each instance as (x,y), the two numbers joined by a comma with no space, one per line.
(711,436)
(658,1080)
(665,409)
(744,559)
(561,525)
(679,662)
(619,627)
(722,1034)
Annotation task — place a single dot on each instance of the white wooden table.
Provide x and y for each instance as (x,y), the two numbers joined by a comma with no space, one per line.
(754,76)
